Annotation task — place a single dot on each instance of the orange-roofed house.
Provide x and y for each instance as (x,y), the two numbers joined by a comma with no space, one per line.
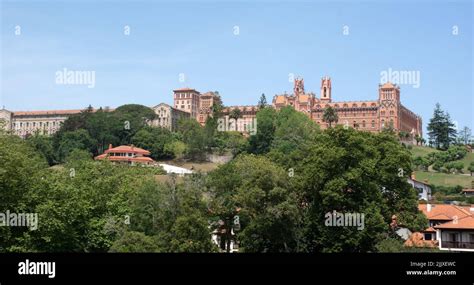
(451,226)
(126,154)
(457,235)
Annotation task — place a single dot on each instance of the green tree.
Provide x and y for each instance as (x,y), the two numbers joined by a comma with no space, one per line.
(260,142)
(176,147)
(132,241)
(132,117)
(79,139)
(354,172)
(293,132)
(154,139)
(255,192)
(471,167)
(330,116)
(262,102)
(43,145)
(21,171)
(441,129)
(465,135)
(235,114)
(194,137)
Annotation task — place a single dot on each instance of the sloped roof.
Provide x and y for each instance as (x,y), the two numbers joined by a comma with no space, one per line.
(463,223)
(49,112)
(126,149)
(443,211)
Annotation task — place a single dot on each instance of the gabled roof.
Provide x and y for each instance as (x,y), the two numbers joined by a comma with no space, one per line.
(440,217)
(463,223)
(444,211)
(429,230)
(126,149)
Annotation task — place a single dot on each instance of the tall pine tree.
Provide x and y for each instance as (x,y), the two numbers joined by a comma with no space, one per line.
(262,103)
(441,130)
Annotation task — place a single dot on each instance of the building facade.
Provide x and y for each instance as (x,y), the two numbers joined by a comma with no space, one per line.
(25,123)
(198,105)
(422,188)
(450,227)
(372,116)
(168,117)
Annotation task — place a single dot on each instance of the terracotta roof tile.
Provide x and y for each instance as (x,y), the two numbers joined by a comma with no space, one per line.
(463,223)
(443,211)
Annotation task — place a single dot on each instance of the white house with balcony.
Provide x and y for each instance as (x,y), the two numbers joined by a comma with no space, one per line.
(457,235)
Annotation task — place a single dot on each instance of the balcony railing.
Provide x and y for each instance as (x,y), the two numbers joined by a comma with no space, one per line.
(455,244)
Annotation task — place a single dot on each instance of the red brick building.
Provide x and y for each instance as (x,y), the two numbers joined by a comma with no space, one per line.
(371,115)
(198,105)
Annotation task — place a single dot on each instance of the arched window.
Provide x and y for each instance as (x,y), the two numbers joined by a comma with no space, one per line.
(363,124)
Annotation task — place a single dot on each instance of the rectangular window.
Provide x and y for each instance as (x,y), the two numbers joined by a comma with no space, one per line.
(453,237)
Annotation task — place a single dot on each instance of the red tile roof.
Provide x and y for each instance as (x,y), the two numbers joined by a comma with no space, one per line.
(127,149)
(185,89)
(463,223)
(429,230)
(444,212)
(50,112)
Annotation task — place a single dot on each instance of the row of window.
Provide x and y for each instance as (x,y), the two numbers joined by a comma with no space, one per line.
(388,94)
(34,124)
(347,106)
(356,125)
(382,113)
(184,95)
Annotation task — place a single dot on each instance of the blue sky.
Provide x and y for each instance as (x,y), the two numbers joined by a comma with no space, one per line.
(197,38)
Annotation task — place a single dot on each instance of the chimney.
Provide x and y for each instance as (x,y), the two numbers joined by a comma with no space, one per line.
(428,208)
(110,146)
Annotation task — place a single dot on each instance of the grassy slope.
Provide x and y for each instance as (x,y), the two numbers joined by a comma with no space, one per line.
(443,178)
(467,160)
(421,150)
